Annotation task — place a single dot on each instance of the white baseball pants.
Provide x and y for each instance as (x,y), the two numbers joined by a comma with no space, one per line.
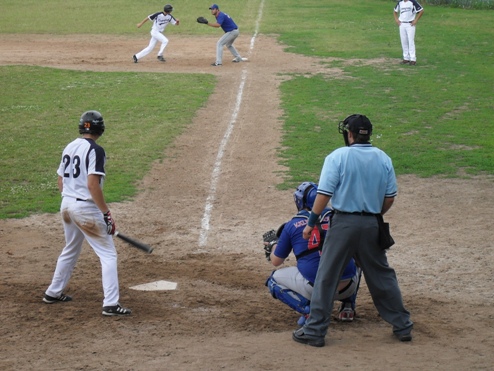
(83,220)
(155,37)
(407,36)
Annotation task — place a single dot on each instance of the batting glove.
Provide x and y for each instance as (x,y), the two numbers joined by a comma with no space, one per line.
(110,223)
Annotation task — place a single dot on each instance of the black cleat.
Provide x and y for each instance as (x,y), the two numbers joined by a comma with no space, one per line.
(300,337)
(116,310)
(62,298)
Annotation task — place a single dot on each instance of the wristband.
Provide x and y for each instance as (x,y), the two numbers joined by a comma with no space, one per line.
(313,219)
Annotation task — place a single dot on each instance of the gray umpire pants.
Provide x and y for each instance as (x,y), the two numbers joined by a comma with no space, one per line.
(227,40)
(357,235)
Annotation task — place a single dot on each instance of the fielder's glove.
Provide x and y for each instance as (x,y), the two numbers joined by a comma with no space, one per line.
(270,240)
(202,20)
(110,223)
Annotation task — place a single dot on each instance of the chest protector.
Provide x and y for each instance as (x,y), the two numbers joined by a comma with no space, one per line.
(316,239)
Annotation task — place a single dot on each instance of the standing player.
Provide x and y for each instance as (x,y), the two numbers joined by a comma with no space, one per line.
(85,214)
(407,13)
(293,285)
(160,21)
(360,182)
(224,21)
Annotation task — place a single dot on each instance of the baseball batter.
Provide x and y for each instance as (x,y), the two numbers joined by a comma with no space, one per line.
(86,215)
(407,13)
(160,21)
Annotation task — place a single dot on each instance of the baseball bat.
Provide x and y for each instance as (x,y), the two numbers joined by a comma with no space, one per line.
(138,244)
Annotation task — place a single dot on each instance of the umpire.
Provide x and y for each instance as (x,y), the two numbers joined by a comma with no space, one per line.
(360,181)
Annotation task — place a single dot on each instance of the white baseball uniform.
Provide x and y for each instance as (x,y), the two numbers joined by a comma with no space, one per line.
(160,21)
(82,219)
(407,10)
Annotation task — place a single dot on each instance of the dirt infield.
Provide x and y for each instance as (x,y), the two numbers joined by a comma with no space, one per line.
(221,315)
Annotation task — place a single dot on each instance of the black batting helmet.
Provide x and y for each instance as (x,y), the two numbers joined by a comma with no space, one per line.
(91,122)
(168,8)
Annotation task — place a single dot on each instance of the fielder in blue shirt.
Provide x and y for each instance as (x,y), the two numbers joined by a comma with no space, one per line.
(230,28)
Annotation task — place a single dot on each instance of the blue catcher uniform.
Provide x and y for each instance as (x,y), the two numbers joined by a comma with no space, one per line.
(306,252)
(293,285)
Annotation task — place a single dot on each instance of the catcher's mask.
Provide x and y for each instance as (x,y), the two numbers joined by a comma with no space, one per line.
(305,195)
(168,8)
(91,122)
(359,125)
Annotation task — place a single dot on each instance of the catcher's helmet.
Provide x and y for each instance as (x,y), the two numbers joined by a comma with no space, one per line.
(357,124)
(91,122)
(168,8)
(305,195)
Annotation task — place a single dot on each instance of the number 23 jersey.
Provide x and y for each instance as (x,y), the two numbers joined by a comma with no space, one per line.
(81,158)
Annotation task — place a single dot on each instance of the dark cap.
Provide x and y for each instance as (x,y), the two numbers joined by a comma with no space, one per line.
(214,6)
(358,124)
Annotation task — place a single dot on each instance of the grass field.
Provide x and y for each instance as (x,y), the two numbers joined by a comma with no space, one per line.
(432,119)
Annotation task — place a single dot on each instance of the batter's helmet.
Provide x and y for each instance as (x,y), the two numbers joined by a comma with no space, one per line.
(91,122)
(305,195)
(168,8)
(359,125)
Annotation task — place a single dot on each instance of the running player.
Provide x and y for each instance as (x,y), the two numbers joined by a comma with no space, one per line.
(85,214)
(160,21)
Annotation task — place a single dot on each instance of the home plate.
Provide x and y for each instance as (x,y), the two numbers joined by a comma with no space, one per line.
(156,286)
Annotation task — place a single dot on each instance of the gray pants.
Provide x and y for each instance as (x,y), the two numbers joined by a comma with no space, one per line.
(355,235)
(227,40)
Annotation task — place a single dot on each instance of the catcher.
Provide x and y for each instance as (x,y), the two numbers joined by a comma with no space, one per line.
(293,285)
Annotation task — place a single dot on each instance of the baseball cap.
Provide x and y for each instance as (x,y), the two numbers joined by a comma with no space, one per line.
(214,6)
(358,124)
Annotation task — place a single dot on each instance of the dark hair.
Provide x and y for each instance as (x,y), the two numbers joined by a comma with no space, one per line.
(361,138)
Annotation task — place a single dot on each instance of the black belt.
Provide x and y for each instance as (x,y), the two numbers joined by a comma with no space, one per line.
(362,213)
(340,291)
(346,287)
(406,22)
(80,199)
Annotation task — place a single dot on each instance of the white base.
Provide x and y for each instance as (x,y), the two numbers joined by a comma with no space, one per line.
(156,286)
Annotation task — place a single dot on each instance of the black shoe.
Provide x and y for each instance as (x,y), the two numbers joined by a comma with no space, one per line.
(413,63)
(50,299)
(300,337)
(404,61)
(116,310)
(134,58)
(161,59)
(215,64)
(404,337)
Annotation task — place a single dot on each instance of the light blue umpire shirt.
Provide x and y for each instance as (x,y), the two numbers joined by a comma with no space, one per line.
(371,179)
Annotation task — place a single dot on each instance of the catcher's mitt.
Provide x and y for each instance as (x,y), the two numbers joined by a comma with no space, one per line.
(271,239)
(202,20)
